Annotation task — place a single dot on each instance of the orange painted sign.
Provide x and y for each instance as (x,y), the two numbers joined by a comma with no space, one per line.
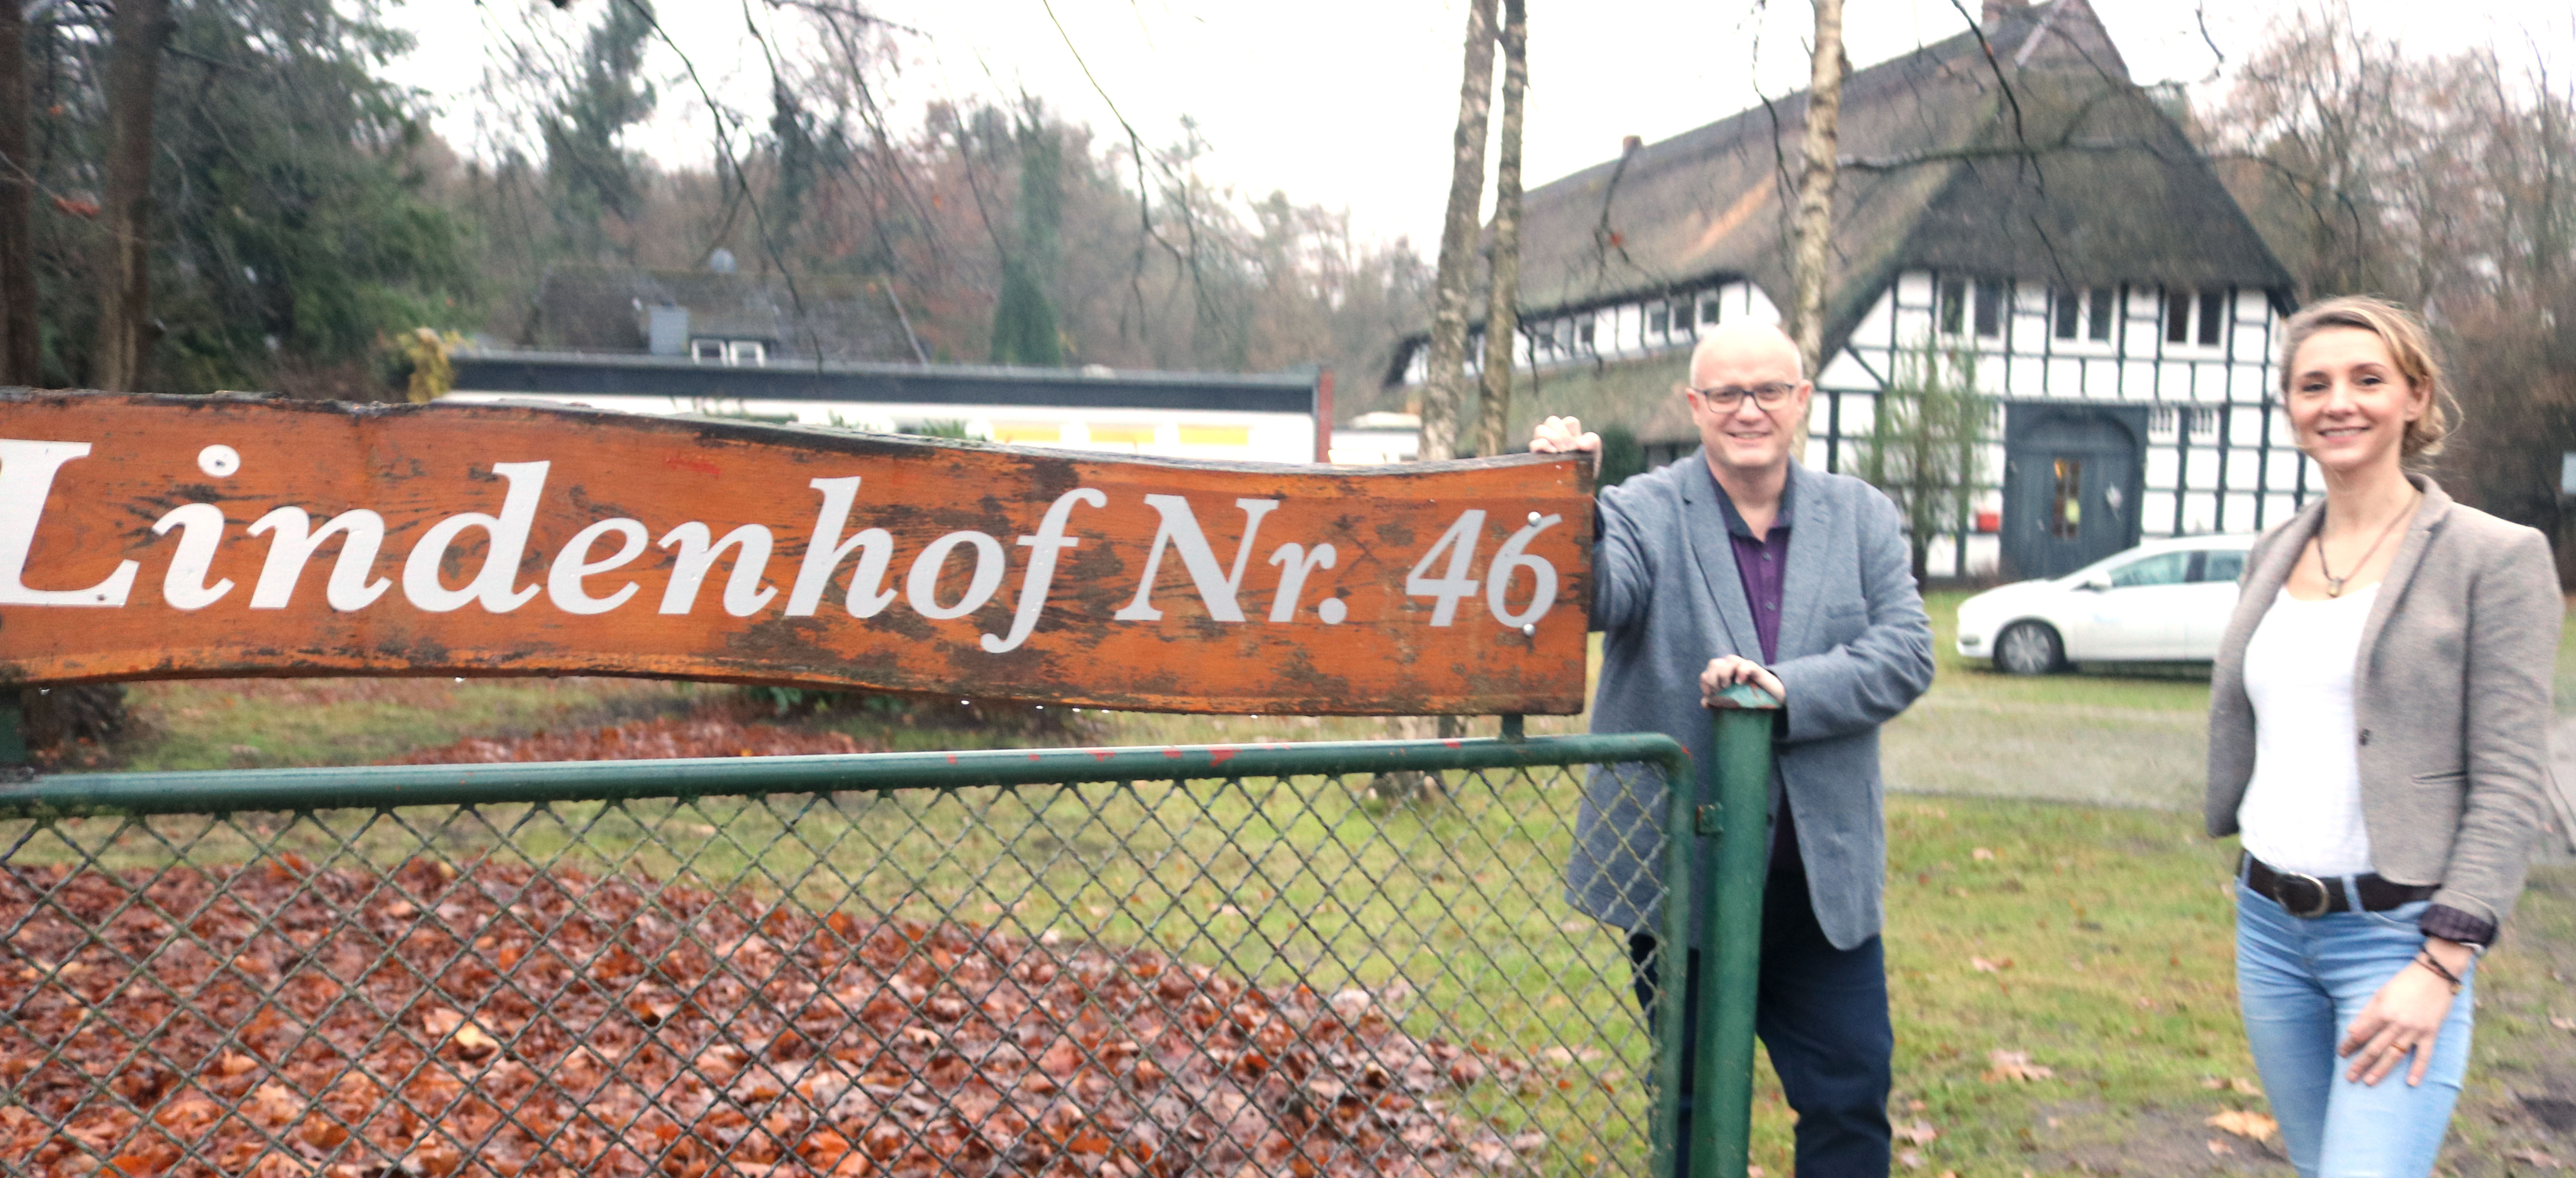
(166,537)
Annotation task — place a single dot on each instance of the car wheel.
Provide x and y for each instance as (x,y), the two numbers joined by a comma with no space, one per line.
(2029,648)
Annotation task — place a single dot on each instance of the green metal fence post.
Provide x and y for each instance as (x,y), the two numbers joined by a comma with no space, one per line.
(13,733)
(1722,1129)
(1681,849)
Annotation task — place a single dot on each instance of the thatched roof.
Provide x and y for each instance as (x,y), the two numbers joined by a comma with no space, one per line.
(823,317)
(2042,162)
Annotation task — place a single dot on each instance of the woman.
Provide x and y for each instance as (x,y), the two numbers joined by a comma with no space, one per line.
(2378,730)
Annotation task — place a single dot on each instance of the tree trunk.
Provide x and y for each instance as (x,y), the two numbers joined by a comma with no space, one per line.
(141,29)
(1502,306)
(1444,382)
(18,350)
(1816,189)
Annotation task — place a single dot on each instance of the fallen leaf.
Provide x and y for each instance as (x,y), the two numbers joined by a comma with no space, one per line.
(2014,1065)
(1981,965)
(2236,1084)
(1910,1159)
(2220,1147)
(470,1039)
(1920,1132)
(2536,1159)
(2564,1024)
(2248,1125)
(1981,855)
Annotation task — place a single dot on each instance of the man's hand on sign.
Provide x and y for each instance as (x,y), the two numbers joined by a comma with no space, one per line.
(1564,435)
(1726,672)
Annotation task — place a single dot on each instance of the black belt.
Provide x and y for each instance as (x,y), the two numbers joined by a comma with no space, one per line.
(2310,897)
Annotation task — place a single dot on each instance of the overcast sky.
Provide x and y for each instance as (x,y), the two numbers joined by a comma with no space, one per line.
(1350,103)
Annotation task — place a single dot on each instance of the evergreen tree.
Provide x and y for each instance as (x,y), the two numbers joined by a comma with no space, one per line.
(290,229)
(590,175)
(1024,322)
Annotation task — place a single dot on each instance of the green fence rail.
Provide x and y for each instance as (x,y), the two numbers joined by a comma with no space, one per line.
(1215,960)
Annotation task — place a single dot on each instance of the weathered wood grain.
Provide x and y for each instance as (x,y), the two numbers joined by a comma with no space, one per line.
(1014,607)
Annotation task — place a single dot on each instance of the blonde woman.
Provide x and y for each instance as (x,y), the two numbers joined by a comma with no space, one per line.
(2378,734)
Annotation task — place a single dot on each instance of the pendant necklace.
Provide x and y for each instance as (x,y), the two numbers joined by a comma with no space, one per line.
(2334,584)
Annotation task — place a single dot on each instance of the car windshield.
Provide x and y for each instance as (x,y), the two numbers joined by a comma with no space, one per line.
(2222,565)
(2164,568)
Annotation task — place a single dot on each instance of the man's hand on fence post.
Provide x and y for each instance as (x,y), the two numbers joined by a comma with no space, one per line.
(1730,670)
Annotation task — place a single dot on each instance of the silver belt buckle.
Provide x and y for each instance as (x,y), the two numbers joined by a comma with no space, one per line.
(2325,898)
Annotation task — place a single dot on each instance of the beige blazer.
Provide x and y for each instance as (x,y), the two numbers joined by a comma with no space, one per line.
(2451,703)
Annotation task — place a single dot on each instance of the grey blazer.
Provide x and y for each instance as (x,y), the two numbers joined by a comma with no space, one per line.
(2451,705)
(1855,649)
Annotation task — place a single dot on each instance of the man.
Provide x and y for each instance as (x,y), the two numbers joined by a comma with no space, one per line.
(1737,565)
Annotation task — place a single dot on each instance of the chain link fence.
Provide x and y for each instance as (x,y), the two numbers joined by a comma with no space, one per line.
(1120,962)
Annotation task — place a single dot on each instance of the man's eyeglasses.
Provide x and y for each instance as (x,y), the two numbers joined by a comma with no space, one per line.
(1725,398)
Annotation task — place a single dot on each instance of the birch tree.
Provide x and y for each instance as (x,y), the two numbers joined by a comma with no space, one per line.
(1444,385)
(1502,304)
(1816,188)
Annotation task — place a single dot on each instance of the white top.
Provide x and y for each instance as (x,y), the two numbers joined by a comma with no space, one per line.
(2302,810)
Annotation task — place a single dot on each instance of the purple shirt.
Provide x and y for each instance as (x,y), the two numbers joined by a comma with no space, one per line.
(1760,562)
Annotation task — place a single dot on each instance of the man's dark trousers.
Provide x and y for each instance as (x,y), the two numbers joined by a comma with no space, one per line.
(1822,1014)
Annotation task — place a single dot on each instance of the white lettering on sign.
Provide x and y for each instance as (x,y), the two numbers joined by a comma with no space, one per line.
(496,586)
(1295,562)
(26,477)
(563,581)
(1043,548)
(743,595)
(1445,574)
(1180,529)
(1445,590)
(921,586)
(362,533)
(201,532)
(824,552)
(1513,558)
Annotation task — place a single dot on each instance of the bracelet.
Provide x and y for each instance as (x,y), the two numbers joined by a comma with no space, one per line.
(2426,960)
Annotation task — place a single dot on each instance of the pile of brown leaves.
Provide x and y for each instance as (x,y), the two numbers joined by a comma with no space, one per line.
(700,735)
(502,1022)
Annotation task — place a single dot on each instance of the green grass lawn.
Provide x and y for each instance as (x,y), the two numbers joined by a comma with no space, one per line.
(2566,692)
(2092,933)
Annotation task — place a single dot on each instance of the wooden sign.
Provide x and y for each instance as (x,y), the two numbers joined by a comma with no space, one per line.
(165,537)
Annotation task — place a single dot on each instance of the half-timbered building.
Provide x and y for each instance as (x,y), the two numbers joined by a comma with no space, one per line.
(2009,197)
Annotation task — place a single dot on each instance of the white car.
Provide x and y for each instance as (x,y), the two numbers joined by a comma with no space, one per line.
(2162,601)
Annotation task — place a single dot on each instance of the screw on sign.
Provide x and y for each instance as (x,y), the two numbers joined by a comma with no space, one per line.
(144,537)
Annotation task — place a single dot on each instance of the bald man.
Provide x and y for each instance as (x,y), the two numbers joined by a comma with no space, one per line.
(1738,565)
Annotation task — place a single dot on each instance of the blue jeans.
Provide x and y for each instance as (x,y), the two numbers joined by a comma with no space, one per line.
(2301,983)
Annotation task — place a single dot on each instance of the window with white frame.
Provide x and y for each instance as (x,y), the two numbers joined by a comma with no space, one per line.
(2076,313)
(1960,306)
(2196,317)
(729,351)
